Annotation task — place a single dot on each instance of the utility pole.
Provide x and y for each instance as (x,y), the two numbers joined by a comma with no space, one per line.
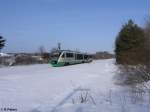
(59,46)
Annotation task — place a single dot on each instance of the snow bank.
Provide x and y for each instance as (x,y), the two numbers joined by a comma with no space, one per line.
(4,55)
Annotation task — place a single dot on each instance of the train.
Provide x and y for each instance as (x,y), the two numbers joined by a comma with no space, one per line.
(68,57)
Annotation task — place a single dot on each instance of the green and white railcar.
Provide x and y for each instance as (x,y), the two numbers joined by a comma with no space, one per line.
(66,57)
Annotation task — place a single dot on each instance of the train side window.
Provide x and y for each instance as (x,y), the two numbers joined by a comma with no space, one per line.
(75,56)
(79,56)
(90,56)
(85,56)
(69,55)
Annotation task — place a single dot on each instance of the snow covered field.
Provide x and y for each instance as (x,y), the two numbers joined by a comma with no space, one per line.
(42,88)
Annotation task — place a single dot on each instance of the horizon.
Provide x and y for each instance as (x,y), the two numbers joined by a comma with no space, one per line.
(89,26)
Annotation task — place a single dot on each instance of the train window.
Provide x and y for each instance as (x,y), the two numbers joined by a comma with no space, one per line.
(85,56)
(79,56)
(69,55)
(90,56)
(55,55)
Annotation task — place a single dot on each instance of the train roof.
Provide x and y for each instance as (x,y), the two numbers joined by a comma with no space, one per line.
(71,51)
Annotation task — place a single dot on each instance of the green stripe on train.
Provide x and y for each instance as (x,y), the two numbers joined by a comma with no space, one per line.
(58,64)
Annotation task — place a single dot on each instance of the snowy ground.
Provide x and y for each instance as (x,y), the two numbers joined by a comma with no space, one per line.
(42,88)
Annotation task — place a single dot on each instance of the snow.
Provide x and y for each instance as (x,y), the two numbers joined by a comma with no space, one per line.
(4,55)
(42,88)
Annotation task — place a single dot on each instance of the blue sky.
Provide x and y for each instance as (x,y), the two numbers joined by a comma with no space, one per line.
(86,25)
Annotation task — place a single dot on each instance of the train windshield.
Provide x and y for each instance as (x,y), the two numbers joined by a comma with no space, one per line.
(56,55)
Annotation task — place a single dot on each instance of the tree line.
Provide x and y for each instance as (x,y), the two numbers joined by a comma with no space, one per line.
(132,52)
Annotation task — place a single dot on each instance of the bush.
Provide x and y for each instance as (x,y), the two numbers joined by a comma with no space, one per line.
(25,59)
(131,75)
(46,57)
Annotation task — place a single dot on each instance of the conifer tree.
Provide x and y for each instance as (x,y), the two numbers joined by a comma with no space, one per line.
(2,42)
(129,44)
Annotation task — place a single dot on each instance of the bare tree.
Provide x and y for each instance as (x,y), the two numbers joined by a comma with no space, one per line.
(42,50)
(45,55)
